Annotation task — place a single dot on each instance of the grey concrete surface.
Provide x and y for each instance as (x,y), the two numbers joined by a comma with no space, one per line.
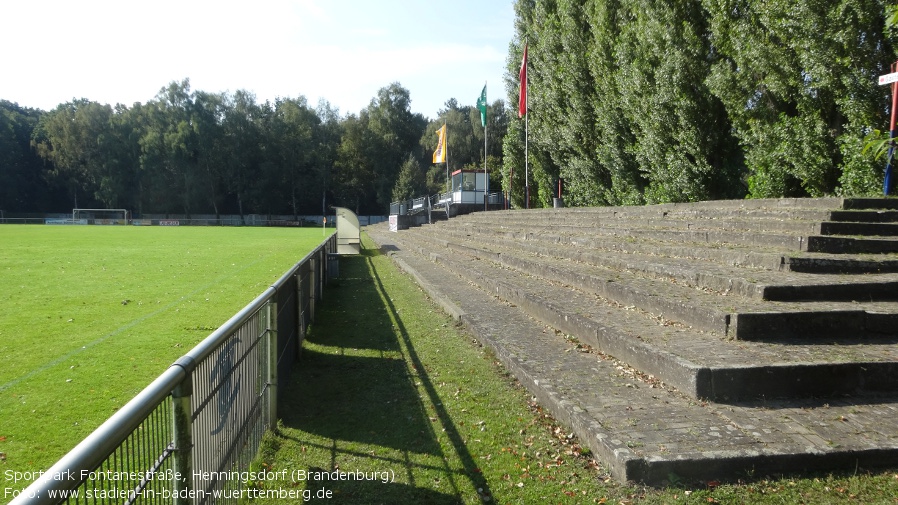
(672,356)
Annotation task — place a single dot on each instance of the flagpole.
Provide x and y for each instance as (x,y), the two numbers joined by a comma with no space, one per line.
(448,180)
(523,105)
(887,180)
(446,158)
(486,177)
(510,184)
(442,153)
(526,133)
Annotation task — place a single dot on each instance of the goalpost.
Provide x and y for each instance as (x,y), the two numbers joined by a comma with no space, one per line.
(100,216)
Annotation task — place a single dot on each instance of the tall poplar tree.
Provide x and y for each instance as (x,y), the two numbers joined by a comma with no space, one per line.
(642,101)
(799,82)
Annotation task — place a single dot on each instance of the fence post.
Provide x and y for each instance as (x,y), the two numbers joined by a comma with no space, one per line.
(182,433)
(313,286)
(272,337)
(323,270)
(300,315)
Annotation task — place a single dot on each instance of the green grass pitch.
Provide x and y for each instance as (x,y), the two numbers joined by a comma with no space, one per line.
(89,315)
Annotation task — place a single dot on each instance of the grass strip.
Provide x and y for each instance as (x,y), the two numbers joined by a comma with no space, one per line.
(90,315)
(390,388)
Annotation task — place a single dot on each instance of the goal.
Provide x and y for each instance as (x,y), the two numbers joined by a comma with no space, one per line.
(100,216)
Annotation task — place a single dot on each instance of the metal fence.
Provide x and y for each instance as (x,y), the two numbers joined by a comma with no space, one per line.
(412,206)
(442,200)
(190,435)
(196,220)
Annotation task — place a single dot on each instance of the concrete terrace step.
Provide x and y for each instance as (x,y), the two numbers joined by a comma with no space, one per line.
(641,430)
(778,223)
(581,220)
(869,203)
(794,236)
(701,364)
(691,213)
(850,245)
(568,230)
(771,258)
(801,228)
(825,263)
(722,276)
(739,318)
(771,251)
(865,216)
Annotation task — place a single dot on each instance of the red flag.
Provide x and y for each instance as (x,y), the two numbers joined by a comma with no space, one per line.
(522,98)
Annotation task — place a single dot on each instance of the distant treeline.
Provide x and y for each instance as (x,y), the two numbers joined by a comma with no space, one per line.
(630,102)
(644,101)
(193,152)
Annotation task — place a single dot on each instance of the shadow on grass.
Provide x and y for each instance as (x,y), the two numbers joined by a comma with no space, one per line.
(380,399)
(367,400)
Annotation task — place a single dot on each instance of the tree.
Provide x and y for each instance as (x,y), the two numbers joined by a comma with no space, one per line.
(617,105)
(242,133)
(680,131)
(397,130)
(355,166)
(798,80)
(169,152)
(207,119)
(373,146)
(326,143)
(410,183)
(193,152)
(291,148)
(563,133)
(74,137)
(641,101)
(22,187)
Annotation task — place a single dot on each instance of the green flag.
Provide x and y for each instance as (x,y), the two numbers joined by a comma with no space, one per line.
(481,104)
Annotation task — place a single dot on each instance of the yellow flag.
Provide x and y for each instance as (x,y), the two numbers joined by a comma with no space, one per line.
(439,156)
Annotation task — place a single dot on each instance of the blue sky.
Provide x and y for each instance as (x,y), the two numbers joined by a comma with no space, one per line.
(343,51)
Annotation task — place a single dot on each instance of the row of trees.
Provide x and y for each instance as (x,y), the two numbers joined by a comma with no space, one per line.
(194,152)
(630,102)
(645,101)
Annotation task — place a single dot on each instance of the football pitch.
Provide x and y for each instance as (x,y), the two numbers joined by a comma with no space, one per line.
(90,315)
